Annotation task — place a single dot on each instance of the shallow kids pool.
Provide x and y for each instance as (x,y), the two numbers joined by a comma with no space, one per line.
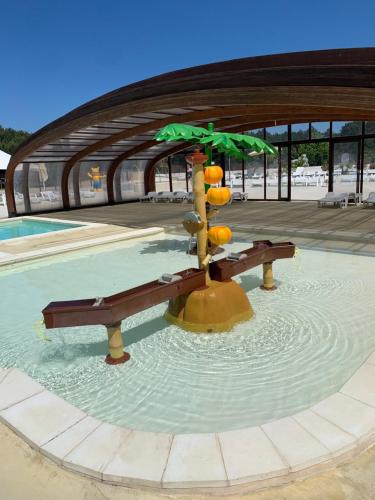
(306,339)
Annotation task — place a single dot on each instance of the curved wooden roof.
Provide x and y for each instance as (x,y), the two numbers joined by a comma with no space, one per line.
(236,95)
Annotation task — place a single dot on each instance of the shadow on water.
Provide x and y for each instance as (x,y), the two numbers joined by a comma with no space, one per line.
(157,246)
(250,282)
(100,348)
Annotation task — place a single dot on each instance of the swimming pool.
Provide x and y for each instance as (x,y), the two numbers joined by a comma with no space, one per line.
(306,339)
(27,227)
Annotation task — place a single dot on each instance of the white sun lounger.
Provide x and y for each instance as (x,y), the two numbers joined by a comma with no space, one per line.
(150,197)
(49,196)
(179,196)
(164,196)
(370,200)
(238,196)
(334,199)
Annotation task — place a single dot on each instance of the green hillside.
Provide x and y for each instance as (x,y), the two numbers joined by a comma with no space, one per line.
(10,139)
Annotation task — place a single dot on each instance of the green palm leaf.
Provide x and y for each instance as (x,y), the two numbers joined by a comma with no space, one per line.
(224,142)
(180,132)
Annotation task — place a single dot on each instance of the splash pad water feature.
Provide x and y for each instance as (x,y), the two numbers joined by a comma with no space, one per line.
(198,302)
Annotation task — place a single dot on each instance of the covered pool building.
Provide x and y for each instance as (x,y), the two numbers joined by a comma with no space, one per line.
(104,151)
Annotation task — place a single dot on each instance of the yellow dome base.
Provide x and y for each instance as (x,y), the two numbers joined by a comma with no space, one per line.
(215,308)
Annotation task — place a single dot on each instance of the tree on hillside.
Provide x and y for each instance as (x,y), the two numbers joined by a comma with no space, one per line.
(317,153)
(10,139)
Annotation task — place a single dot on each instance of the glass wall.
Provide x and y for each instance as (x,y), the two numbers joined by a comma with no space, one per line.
(277,134)
(73,180)
(162,176)
(309,175)
(283,172)
(300,131)
(345,167)
(272,177)
(314,157)
(19,185)
(179,173)
(368,167)
(319,130)
(93,182)
(344,129)
(132,184)
(233,174)
(254,177)
(44,181)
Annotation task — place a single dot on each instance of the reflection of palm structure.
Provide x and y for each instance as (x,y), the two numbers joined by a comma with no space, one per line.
(96,178)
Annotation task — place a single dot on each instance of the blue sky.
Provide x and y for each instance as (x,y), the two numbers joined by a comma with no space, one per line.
(57,54)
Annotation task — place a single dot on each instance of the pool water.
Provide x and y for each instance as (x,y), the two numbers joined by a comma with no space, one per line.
(27,227)
(307,338)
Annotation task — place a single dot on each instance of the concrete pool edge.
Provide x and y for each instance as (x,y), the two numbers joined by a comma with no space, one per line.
(319,438)
(59,248)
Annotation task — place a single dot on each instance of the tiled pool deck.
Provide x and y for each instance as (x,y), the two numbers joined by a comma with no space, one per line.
(329,433)
(25,248)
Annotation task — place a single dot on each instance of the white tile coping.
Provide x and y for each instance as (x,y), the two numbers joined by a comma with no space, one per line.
(320,437)
(58,248)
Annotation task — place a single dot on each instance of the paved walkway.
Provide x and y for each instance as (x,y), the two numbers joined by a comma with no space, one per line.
(25,474)
(351,229)
(294,215)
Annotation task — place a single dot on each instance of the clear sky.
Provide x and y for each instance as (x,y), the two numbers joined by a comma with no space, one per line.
(57,54)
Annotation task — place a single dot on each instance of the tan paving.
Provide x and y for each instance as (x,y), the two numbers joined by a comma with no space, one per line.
(47,241)
(27,475)
(293,216)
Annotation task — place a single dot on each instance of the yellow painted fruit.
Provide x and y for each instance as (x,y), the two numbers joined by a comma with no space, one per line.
(213,174)
(219,235)
(218,196)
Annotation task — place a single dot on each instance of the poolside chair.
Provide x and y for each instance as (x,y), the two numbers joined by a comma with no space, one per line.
(3,200)
(370,200)
(178,196)
(49,196)
(334,199)
(149,197)
(239,196)
(355,198)
(164,196)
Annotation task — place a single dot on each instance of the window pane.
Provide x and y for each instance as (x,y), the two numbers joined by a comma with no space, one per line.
(179,166)
(370,128)
(73,174)
(300,131)
(131,179)
(254,177)
(342,129)
(319,130)
(45,186)
(93,182)
(233,173)
(345,167)
(256,132)
(277,134)
(161,176)
(309,171)
(284,172)
(18,189)
(368,167)
(272,177)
